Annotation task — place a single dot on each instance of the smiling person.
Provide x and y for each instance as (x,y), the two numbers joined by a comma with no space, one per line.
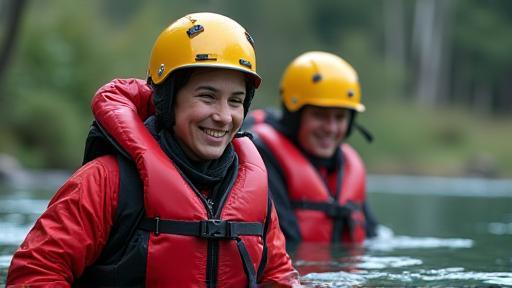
(180,200)
(317,181)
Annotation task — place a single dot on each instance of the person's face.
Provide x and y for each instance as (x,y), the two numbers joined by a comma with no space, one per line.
(322,129)
(209,111)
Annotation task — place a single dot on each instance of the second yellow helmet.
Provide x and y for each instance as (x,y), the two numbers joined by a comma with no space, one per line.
(320,79)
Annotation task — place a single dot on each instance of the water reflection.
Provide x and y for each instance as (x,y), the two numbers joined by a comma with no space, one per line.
(453,276)
(12,234)
(377,269)
(500,228)
(386,241)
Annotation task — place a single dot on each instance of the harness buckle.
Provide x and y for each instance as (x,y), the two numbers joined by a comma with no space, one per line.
(215,229)
(337,211)
(157,226)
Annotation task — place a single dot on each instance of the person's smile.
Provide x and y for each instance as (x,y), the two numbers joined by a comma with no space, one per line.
(215,133)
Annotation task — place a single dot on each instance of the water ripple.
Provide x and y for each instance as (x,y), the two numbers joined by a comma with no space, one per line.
(386,241)
(443,186)
(445,275)
(5,261)
(333,279)
(369,262)
(12,234)
(500,228)
(406,242)
(23,206)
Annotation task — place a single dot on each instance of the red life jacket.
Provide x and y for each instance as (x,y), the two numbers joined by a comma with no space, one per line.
(316,209)
(224,246)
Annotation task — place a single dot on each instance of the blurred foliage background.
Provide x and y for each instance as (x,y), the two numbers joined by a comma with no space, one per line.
(436,74)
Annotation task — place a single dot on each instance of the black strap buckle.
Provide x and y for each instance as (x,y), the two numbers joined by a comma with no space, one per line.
(336,211)
(215,229)
(157,226)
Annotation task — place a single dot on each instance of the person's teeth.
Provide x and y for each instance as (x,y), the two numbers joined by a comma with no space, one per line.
(215,133)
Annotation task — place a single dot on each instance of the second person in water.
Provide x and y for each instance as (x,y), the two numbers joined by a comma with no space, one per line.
(317,181)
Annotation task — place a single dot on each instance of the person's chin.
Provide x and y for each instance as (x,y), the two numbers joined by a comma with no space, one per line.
(325,155)
(326,152)
(212,153)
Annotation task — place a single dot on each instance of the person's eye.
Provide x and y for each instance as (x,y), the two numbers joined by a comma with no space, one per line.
(318,114)
(236,101)
(206,97)
(341,116)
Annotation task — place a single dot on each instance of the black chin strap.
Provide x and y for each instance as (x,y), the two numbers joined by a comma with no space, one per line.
(368,136)
(354,125)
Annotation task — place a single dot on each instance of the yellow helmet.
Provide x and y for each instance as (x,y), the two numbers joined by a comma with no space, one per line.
(320,79)
(203,40)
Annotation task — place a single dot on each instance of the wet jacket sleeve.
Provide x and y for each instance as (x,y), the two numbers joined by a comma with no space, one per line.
(278,271)
(72,231)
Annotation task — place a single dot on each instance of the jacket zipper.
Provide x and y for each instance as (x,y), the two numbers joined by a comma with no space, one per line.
(213,245)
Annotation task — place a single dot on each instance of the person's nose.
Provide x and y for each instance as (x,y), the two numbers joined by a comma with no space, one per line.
(331,123)
(222,113)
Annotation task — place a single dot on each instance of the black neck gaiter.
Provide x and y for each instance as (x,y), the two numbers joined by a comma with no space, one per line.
(201,174)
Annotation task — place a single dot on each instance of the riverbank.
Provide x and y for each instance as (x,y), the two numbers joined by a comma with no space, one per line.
(435,142)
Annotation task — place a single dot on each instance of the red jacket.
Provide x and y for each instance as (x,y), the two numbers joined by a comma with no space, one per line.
(71,233)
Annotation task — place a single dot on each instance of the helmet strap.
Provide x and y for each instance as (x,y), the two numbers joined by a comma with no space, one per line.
(367,135)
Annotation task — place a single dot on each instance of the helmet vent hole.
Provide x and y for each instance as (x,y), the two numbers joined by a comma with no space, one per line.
(350,93)
(245,63)
(194,31)
(204,57)
(317,78)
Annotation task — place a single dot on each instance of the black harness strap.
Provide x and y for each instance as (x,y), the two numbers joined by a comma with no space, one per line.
(263,261)
(212,229)
(209,229)
(331,209)
(246,259)
(341,214)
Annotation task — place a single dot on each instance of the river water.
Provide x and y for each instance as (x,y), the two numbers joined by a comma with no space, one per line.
(436,232)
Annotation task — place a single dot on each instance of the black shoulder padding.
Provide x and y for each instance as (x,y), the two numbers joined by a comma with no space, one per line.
(99,143)
(122,262)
